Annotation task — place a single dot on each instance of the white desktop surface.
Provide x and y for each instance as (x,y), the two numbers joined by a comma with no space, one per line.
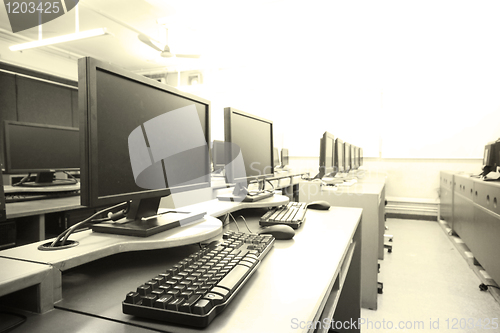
(94,245)
(291,283)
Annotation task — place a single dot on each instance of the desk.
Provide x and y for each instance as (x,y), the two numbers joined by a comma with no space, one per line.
(33,213)
(324,252)
(370,196)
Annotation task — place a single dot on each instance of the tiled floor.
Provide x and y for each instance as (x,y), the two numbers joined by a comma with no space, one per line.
(428,286)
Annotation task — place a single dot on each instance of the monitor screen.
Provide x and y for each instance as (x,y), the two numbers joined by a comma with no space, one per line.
(347,156)
(141,140)
(339,155)
(253,136)
(326,154)
(276,157)
(3,214)
(35,147)
(285,157)
(39,148)
(355,157)
(218,156)
(489,154)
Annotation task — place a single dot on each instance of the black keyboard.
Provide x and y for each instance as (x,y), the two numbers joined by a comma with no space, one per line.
(293,214)
(28,196)
(195,290)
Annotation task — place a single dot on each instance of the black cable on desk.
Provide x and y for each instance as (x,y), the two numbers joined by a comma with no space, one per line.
(63,237)
(484,287)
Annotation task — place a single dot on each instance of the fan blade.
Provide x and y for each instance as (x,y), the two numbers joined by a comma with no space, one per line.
(152,43)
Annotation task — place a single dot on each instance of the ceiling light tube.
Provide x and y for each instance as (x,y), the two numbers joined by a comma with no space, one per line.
(60,39)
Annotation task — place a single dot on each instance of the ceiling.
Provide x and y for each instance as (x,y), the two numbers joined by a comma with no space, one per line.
(222,32)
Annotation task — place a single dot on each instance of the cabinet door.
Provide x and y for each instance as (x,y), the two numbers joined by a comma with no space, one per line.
(486,245)
(446,200)
(463,208)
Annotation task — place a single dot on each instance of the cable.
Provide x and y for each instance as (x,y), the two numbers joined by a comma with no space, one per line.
(23,180)
(484,287)
(65,234)
(236,223)
(246,225)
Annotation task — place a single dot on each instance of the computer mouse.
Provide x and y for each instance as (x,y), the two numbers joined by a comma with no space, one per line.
(278,231)
(320,205)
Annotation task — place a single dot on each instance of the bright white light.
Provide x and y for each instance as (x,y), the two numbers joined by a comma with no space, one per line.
(60,39)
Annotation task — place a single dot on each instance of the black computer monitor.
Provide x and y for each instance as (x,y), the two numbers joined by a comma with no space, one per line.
(140,141)
(41,149)
(253,136)
(360,156)
(339,155)
(3,213)
(285,157)
(354,157)
(326,155)
(218,155)
(276,158)
(347,157)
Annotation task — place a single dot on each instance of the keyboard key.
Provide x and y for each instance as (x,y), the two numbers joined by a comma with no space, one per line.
(202,307)
(233,278)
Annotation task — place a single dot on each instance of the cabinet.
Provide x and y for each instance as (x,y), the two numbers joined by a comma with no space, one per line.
(475,217)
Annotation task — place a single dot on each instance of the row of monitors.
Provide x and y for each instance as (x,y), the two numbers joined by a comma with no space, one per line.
(140,140)
(337,156)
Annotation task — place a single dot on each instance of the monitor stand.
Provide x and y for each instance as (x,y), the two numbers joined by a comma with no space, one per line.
(143,219)
(241,194)
(44,179)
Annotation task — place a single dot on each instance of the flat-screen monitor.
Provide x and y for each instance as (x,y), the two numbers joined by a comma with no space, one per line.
(355,157)
(285,157)
(326,155)
(218,155)
(339,155)
(276,157)
(41,149)
(252,137)
(360,156)
(497,154)
(141,140)
(489,154)
(347,157)
(3,213)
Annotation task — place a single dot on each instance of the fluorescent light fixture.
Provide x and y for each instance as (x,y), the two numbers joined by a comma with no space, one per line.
(60,39)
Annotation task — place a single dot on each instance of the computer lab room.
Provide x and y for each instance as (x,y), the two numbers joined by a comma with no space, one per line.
(249,166)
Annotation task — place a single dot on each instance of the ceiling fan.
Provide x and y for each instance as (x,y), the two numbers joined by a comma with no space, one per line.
(163,48)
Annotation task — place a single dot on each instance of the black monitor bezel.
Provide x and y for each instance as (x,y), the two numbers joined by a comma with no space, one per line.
(216,146)
(276,157)
(489,154)
(324,169)
(347,161)
(8,160)
(229,112)
(285,157)
(3,212)
(87,92)
(339,144)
